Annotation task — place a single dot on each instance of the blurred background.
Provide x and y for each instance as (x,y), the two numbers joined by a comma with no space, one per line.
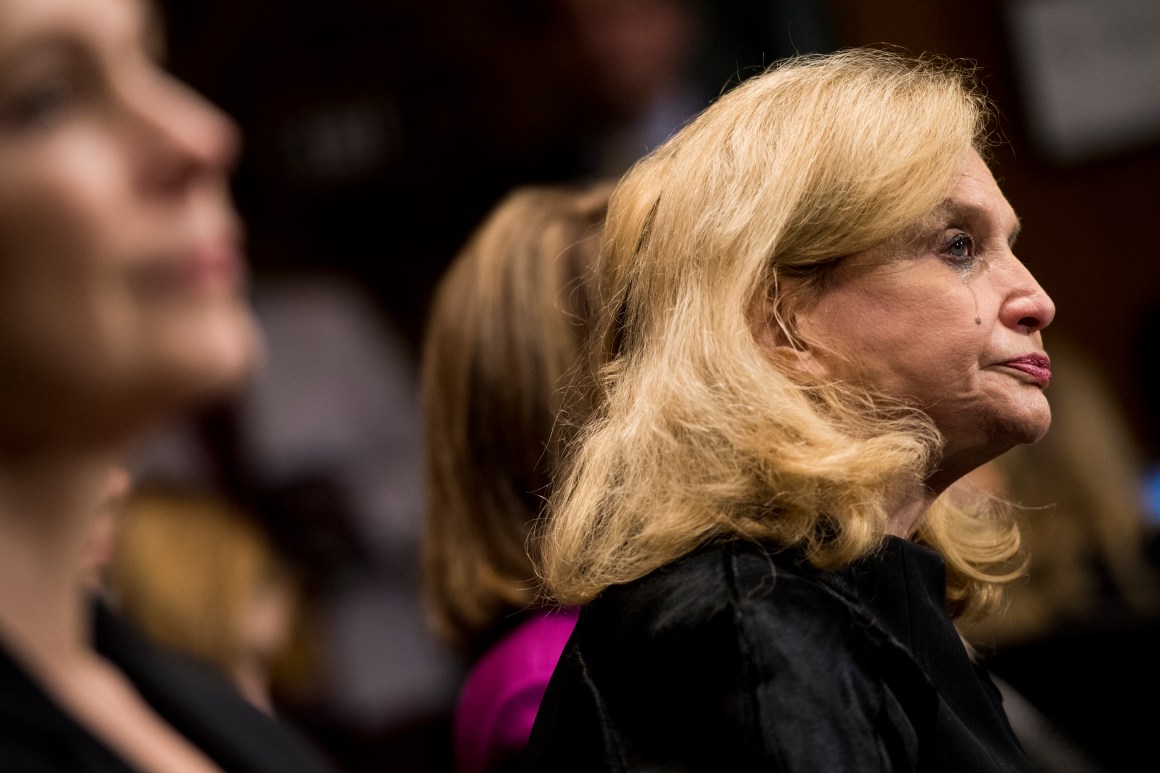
(379,132)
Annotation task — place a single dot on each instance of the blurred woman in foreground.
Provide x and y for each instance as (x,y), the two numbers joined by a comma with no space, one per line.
(121,303)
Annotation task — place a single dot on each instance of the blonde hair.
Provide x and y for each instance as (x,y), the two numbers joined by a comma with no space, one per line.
(186,567)
(506,324)
(711,243)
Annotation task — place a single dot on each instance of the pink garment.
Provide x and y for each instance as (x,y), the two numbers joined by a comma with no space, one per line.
(502,693)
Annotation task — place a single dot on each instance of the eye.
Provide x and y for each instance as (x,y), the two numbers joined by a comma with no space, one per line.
(43,104)
(960,251)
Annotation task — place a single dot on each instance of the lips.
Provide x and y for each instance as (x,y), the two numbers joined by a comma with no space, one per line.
(210,267)
(1038,366)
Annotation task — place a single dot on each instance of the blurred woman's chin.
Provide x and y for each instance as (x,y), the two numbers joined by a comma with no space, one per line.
(207,359)
(227,359)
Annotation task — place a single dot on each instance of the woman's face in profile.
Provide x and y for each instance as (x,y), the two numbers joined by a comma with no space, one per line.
(947,319)
(121,268)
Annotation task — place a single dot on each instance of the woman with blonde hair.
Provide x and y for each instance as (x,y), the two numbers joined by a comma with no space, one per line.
(122,304)
(502,341)
(814,326)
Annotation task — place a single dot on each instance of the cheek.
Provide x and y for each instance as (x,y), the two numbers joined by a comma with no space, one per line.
(906,348)
(934,363)
(57,292)
(64,224)
(65,194)
(51,244)
(68,319)
(852,331)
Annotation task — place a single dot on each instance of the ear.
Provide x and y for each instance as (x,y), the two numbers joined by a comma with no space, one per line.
(796,354)
(783,341)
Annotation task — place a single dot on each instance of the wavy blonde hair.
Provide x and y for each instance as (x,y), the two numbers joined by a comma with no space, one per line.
(507,323)
(711,244)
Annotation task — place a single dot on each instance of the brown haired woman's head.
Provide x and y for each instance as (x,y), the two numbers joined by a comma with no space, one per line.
(505,329)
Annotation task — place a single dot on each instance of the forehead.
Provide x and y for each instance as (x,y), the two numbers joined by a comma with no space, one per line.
(976,195)
(28,22)
(974,202)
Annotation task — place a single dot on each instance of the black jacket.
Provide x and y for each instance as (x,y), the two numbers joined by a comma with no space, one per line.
(36,736)
(739,658)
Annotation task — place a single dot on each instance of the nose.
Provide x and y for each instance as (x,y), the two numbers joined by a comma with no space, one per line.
(1028,308)
(183,138)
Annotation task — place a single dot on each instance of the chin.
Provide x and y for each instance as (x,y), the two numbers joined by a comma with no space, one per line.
(227,359)
(1025,429)
(1037,421)
(1036,434)
(978,443)
(206,362)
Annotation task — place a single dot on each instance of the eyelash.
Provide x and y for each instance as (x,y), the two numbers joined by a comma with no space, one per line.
(44,104)
(959,241)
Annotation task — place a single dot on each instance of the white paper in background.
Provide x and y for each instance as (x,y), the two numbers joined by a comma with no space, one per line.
(1090,73)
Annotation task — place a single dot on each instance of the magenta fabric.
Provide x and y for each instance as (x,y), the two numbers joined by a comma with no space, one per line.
(502,693)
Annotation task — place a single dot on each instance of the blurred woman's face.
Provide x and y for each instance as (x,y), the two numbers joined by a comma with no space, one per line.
(121,273)
(947,319)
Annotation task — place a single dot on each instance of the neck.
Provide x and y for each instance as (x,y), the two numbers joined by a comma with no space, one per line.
(48,508)
(910,508)
(908,511)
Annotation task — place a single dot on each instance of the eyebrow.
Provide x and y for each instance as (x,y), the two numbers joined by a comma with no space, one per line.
(62,34)
(954,211)
(48,43)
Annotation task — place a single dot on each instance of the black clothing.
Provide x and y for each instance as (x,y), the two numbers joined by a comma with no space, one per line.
(36,736)
(740,658)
